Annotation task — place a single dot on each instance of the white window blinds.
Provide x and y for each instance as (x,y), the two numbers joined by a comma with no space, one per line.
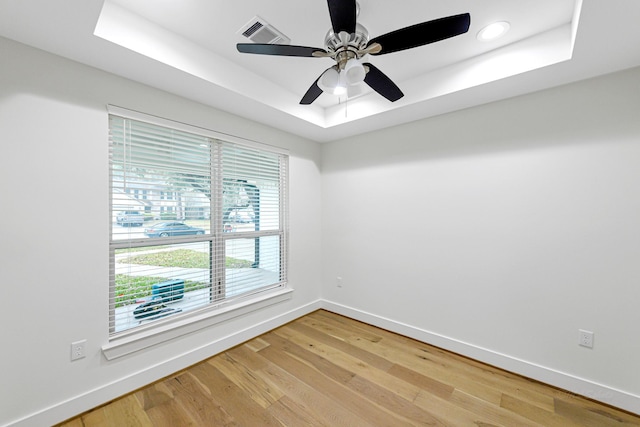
(196,221)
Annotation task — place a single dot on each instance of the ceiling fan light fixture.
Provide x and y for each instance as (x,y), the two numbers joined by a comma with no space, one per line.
(340,89)
(354,90)
(329,80)
(354,71)
(332,82)
(493,31)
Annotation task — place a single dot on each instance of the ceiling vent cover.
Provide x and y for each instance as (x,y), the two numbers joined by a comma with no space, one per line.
(260,31)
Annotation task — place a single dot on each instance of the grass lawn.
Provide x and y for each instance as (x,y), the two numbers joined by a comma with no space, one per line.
(182,258)
(132,288)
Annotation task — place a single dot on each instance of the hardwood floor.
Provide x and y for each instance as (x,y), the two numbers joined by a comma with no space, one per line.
(327,370)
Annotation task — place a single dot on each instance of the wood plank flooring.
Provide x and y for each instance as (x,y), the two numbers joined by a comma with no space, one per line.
(326,370)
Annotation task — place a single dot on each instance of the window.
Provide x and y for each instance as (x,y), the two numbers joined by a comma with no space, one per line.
(210,229)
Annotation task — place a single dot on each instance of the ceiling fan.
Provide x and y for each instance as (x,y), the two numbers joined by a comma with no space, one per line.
(347,42)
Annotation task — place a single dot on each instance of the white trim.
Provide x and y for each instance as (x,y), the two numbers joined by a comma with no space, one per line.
(130,343)
(601,393)
(161,121)
(121,386)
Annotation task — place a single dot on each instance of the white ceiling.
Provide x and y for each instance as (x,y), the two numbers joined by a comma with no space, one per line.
(187,47)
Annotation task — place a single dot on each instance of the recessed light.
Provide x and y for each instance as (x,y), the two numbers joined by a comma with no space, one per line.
(493,31)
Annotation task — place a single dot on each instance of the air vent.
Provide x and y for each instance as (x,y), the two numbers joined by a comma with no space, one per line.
(260,31)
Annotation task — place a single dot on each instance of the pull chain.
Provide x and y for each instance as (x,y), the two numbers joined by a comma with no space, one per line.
(346,105)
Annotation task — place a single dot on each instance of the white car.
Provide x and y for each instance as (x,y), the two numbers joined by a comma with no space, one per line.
(130,218)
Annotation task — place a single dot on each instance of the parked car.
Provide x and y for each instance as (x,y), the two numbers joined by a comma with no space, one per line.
(166,229)
(130,218)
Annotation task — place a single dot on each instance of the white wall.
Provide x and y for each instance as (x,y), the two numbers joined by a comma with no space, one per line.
(54,225)
(499,231)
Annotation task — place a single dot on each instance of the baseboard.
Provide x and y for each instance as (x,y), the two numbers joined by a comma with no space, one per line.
(121,386)
(573,384)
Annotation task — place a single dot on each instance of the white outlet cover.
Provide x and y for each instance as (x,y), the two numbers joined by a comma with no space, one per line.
(585,338)
(78,350)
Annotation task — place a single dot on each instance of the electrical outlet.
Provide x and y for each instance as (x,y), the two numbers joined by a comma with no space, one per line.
(78,349)
(339,281)
(585,338)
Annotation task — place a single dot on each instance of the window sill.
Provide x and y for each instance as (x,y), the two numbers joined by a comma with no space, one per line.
(122,346)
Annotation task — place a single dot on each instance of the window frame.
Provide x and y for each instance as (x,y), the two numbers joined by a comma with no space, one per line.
(138,337)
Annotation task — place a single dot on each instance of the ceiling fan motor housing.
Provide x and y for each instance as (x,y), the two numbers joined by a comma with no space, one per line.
(346,46)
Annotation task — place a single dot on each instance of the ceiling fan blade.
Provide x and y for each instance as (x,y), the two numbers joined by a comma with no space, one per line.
(279,49)
(312,94)
(343,15)
(382,84)
(422,34)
